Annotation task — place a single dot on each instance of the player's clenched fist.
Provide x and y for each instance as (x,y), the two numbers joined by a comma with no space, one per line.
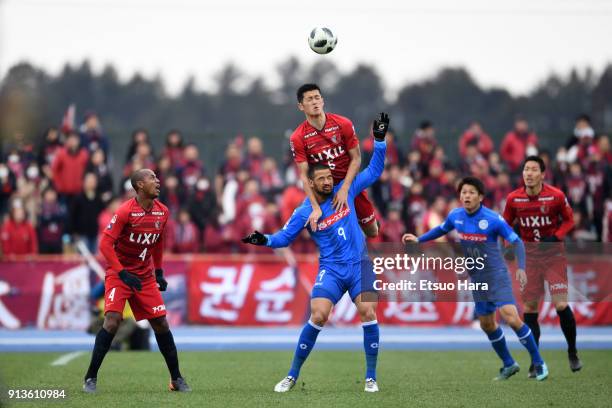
(130,279)
(380,126)
(255,238)
(409,238)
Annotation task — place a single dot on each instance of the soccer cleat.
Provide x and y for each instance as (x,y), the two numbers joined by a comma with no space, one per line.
(532,372)
(285,385)
(541,372)
(179,385)
(574,362)
(507,372)
(89,386)
(370,385)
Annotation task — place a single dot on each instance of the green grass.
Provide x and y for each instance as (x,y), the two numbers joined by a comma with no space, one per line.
(329,379)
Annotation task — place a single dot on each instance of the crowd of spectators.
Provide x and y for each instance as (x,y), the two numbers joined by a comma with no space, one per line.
(61,189)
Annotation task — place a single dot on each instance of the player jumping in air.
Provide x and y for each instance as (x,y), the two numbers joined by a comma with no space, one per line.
(329,139)
(132,246)
(544,215)
(479,229)
(343,257)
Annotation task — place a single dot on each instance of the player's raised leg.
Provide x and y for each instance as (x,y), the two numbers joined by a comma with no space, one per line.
(103,342)
(165,342)
(320,310)
(371,340)
(498,341)
(510,314)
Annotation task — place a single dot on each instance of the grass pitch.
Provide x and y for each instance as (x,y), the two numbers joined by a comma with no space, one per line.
(328,379)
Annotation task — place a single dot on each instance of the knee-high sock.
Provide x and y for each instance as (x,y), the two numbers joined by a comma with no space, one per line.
(498,341)
(165,341)
(528,341)
(531,320)
(371,337)
(101,346)
(568,326)
(306,342)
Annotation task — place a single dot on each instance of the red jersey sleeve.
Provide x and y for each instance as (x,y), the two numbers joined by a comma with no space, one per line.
(116,224)
(111,234)
(509,215)
(158,251)
(567,219)
(348,133)
(296,143)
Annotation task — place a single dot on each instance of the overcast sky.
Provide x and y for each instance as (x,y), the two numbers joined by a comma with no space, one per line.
(505,43)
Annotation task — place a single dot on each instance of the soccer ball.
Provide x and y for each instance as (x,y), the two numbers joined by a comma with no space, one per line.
(322,40)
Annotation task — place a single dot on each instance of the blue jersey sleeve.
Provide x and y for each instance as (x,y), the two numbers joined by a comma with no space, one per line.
(290,231)
(370,174)
(442,229)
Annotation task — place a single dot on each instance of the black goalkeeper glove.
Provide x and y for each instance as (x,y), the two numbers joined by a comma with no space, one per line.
(552,238)
(130,279)
(380,126)
(255,238)
(162,284)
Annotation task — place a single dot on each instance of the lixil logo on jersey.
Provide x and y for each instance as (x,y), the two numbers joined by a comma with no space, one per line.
(332,219)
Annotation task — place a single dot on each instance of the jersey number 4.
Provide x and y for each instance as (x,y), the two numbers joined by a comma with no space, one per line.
(143,254)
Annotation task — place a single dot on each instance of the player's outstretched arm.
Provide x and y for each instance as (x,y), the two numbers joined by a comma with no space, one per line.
(377,164)
(283,237)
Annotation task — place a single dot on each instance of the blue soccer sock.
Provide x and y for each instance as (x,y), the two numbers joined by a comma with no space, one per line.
(498,341)
(526,338)
(306,342)
(371,336)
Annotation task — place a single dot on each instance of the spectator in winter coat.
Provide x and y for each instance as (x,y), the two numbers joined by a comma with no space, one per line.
(17,235)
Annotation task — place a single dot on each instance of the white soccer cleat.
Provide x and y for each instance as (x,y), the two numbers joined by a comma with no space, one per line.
(285,385)
(370,385)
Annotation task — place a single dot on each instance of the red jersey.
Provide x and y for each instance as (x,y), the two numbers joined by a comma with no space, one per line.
(137,234)
(329,145)
(543,215)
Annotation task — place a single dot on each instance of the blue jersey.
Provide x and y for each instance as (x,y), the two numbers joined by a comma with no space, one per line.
(479,233)
(338,235)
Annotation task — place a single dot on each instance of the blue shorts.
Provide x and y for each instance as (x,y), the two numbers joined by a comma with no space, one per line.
(334,280)
(499,293)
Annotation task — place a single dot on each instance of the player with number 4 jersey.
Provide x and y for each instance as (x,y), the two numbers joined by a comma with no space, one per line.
(133,248)
(343,262)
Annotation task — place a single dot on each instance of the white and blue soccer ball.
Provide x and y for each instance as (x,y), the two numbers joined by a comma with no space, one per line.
(322,40)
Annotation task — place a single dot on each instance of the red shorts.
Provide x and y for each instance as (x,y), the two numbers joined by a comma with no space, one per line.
(364,209)
(145,304)
(551,269)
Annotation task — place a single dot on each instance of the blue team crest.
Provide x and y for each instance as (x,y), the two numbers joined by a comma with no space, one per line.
(483,224)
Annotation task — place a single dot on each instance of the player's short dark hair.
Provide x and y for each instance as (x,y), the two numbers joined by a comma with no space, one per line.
(471,181)
(306,88)
(137,176)
(425,124)
(536,159)
(314,167)
(583,117)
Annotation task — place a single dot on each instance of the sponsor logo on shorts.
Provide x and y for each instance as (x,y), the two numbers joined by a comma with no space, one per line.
(160,308)
(558,286)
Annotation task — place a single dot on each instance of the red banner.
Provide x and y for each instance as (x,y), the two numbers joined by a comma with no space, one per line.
(246,291)
(55,294)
